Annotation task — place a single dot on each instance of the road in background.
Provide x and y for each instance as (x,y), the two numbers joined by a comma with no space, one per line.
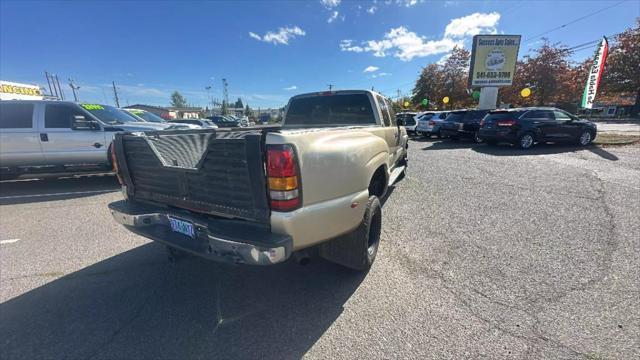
(486,252)
(626,129)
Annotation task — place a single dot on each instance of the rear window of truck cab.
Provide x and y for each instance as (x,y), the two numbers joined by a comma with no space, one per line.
(16,115)
(330,110)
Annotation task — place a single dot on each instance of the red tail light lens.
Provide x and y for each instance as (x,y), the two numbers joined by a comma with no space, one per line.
(432,123)
(506,123)
(282,171)
(280,161)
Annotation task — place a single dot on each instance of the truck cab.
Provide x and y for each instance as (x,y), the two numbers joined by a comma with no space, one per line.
(40,137)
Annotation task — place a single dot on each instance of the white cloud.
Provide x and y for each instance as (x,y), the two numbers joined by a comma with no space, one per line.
(292,87)
(407,3)
(381,74)
(330,4)
(473,24)
(443,59)
(333,17)
(347,45)
(281,37)
(406,45)
(371,69)
(372,9)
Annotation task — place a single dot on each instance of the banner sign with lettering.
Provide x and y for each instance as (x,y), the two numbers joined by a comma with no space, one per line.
(17,91)
(493,60)
(595,74)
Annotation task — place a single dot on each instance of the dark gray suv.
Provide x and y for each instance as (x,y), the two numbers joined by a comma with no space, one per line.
(524,127)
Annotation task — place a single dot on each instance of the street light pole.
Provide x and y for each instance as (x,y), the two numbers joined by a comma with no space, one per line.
(74,87)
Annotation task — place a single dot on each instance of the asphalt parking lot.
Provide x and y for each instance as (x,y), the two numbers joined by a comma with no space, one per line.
(486,253)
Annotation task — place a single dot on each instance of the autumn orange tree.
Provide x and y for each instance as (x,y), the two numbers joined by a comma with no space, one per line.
(447,79)
(622,70)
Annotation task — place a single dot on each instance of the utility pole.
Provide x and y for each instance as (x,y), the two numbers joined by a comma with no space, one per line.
(225,91)
(330,87)
(74,87)
(209,99)
(115,94)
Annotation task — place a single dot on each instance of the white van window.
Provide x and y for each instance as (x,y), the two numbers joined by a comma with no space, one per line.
(16,116)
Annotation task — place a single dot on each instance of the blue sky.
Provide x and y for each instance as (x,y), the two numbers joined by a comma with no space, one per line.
(268,50)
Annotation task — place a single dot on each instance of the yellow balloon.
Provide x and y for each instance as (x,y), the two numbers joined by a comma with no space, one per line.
(445,99)
(525,92)
(406,104)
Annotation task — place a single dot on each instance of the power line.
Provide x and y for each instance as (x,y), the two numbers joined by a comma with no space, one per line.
(572,22)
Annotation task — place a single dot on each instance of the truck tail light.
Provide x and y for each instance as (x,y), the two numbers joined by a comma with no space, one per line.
(506,123)
(114,163)
(282,172)
(431,123)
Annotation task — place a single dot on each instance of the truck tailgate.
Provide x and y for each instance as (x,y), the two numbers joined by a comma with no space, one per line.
(217,172)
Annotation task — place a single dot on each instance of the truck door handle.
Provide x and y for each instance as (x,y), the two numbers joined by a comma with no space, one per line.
(44,137)
(97,145)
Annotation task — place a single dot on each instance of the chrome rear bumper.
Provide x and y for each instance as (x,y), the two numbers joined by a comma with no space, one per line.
(231,241)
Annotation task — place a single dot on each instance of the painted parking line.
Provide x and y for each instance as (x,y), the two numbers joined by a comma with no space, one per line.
(57,194)
(9,241)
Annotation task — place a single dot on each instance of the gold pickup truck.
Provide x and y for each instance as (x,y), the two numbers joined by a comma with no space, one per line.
(262,195)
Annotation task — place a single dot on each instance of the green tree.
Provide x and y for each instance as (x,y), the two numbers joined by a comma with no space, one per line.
(239,104)
(177,100)
(429,85)
(455,74)
(247,110)
(225,108)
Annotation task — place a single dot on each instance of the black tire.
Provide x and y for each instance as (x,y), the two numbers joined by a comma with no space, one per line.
(426,135)
(438,135)
(358,249)
(526,141)
(585,138)
(491,142)
(454,138)
(476,137)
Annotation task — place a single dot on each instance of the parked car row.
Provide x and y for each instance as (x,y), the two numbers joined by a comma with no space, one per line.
(522,127)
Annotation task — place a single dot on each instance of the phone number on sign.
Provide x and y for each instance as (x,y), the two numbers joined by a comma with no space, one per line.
(493,74)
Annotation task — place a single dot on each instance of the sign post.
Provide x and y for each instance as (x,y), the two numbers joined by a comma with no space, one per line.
(493,64)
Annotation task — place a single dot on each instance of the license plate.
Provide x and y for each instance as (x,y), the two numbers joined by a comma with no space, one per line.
(182,227)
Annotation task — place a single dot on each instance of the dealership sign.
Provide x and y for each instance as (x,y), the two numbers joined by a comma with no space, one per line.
(16,91)
(493,60)
(595,74)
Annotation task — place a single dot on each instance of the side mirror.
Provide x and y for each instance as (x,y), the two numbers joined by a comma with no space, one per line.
(400,122)
(82,123)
